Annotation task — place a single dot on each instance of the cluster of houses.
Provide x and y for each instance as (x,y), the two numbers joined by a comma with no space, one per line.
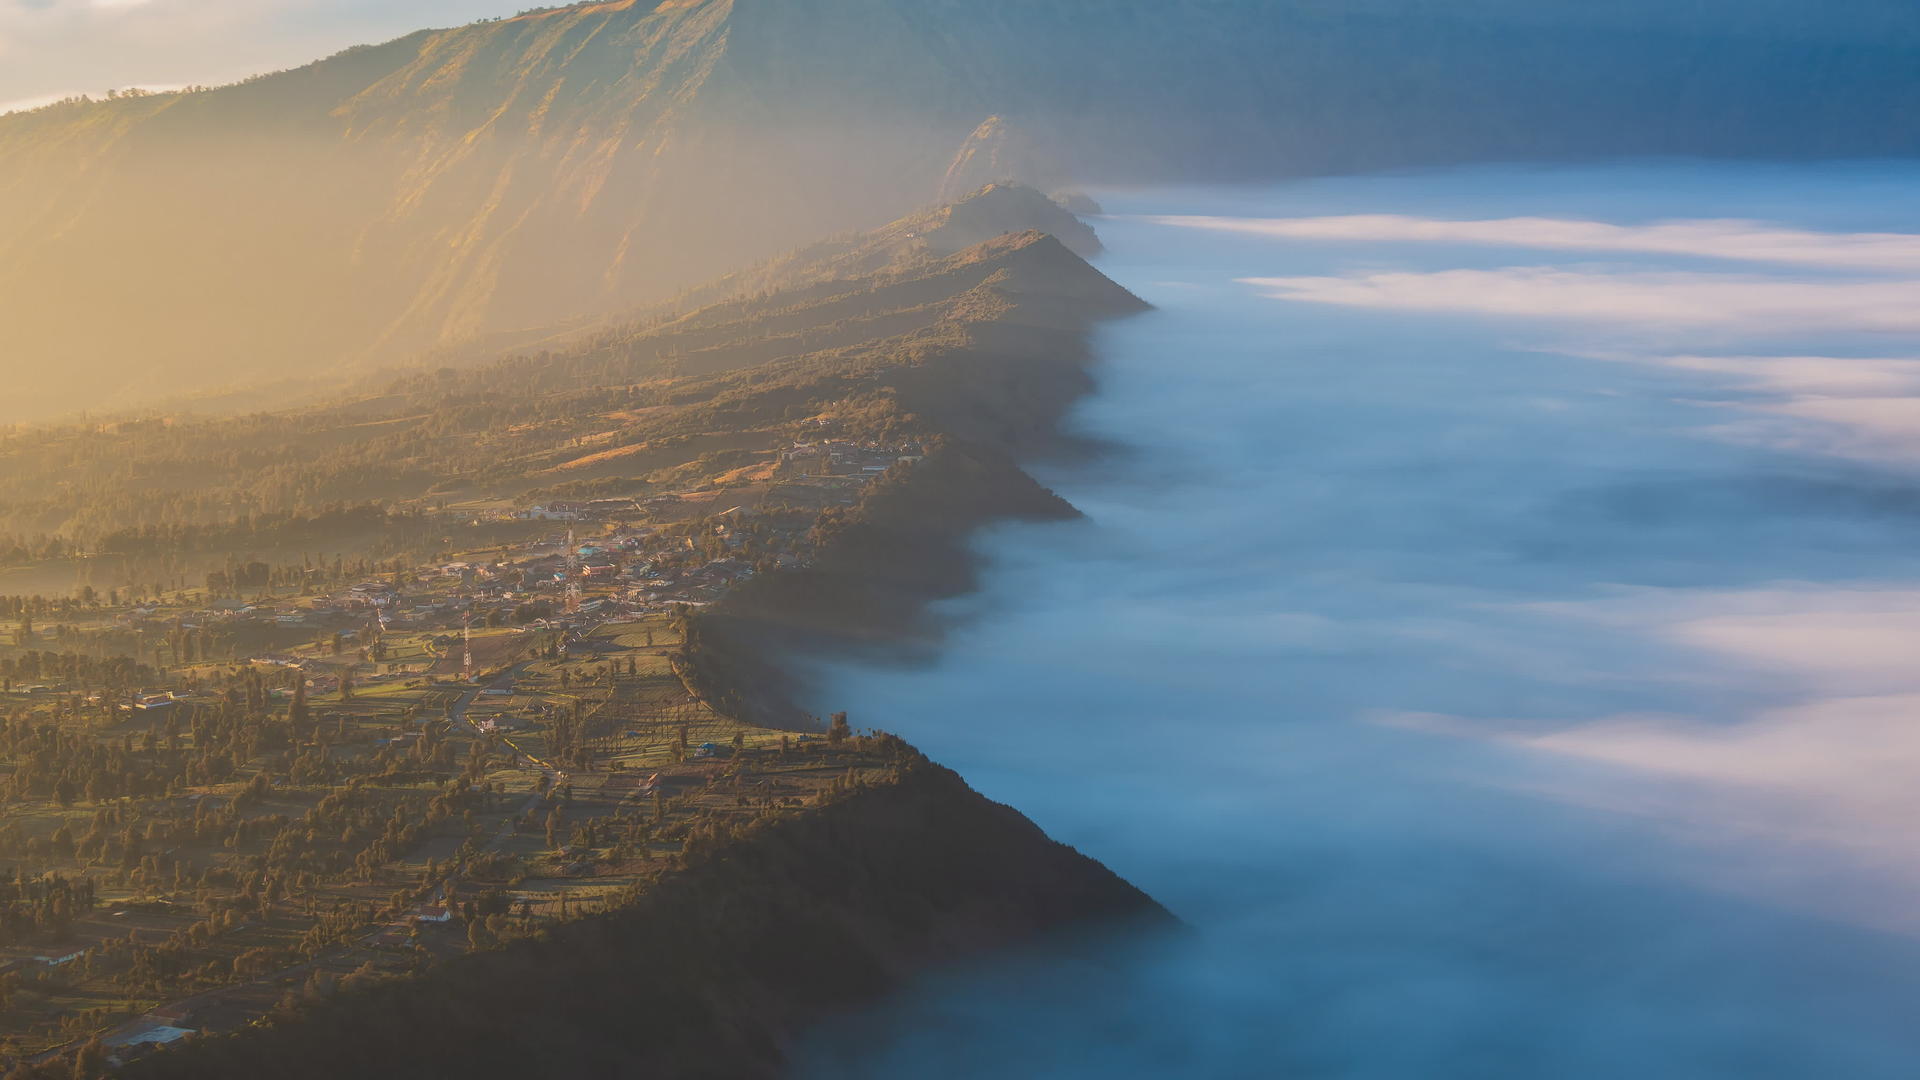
(590,510)
(456,593)
(697,586)
(843,458)
(608,564)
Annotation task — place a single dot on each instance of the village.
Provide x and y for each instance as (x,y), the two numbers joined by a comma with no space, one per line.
(219,802)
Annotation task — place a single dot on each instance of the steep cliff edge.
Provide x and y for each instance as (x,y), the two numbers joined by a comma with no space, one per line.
(975,215)
(907,544)
(996,150)
(992,387)
(718,968)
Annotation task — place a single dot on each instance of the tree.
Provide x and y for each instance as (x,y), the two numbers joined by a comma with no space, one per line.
(838,731)
(297,716)
(91,1061)
(253,963)
(479,935)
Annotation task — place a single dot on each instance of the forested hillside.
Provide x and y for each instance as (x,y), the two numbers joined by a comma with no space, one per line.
(571,162)
(715,972)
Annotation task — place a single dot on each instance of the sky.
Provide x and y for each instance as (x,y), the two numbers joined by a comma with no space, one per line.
(50,49)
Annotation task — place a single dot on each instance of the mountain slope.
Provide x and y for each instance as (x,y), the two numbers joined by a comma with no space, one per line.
(567,163)
(718,970)
(835,329)
(368,204)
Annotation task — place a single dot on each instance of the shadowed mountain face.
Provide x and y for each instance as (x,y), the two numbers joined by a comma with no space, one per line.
(563,164)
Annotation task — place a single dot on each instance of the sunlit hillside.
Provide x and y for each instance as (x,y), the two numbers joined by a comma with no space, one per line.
(564,163)
(860,330)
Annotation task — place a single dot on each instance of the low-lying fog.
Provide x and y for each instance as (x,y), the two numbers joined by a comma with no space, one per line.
(1498,636)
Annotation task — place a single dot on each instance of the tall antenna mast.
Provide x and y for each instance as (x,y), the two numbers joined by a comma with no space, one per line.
(573,574)
(466,645)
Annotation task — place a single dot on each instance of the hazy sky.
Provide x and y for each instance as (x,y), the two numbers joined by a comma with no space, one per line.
(54,48)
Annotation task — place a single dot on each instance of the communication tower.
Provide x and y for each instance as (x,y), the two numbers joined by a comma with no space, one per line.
(573,575)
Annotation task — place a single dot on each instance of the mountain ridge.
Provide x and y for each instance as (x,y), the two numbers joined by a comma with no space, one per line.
(839,314)
(564,164)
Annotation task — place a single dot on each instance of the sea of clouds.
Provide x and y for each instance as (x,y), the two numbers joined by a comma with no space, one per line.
(1493,635)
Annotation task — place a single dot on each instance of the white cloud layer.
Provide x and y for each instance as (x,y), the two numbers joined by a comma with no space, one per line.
(1863,408)
(1746,241)
(1866,408)
(1824,375)
(1829,775)
(1803,743)
(1750,303)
